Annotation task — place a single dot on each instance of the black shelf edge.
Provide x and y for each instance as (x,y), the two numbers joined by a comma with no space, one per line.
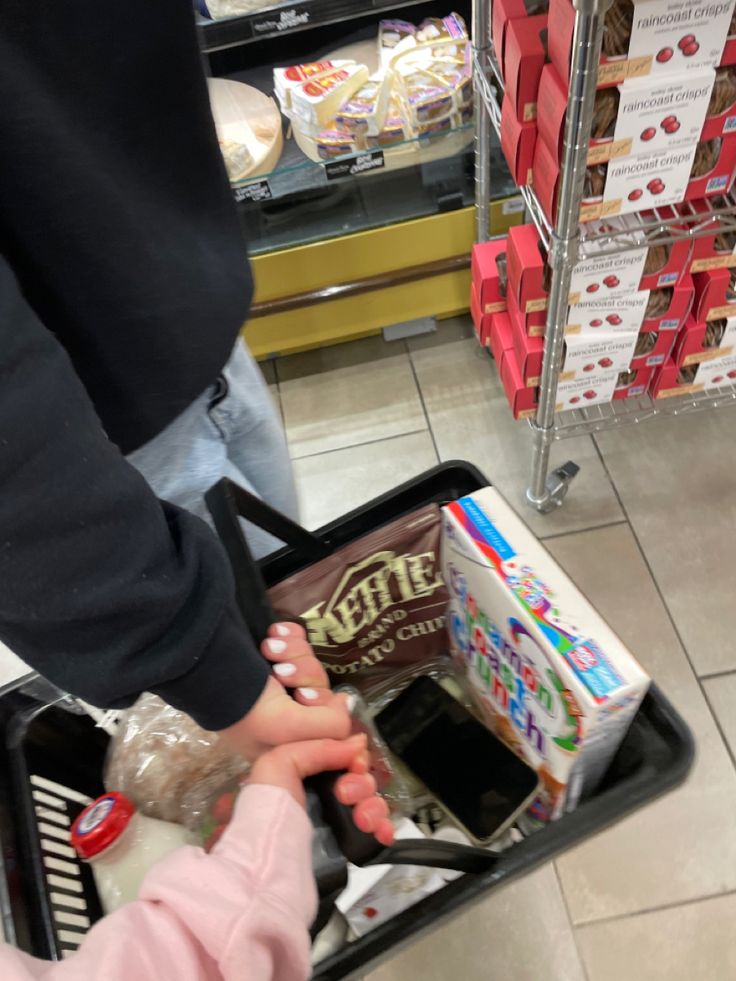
(289,18)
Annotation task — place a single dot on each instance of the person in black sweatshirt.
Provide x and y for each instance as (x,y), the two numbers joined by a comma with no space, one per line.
(124,284)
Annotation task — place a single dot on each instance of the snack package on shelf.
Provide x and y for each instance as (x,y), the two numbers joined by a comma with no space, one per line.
(525,55)
(671,380)
(639,116)
(365,111)
(698,341)
(715,294)
(549,676)
(648,38)
(506,11)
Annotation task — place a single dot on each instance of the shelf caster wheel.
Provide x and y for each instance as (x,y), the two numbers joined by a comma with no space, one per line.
(558,483)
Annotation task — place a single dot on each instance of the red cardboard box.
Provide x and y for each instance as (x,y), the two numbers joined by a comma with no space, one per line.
(655,348)
(714,298)
(719,178)
(521,399)
(481,322)
(488,271)
(527,269)
(678,310)
(699,342)
(633,383)
(714,251)
(505,11)
(678,257)
(643,108)
(500,337)
(725,121)
(518,140)
(525,54)
(533,323)
(667,37)
(527,349)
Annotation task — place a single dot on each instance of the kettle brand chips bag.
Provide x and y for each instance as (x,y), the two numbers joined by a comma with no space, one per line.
(374,606)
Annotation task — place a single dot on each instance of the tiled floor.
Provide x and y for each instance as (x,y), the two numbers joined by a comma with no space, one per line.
(648,532)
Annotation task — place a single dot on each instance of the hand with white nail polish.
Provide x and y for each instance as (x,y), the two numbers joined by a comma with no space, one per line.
(277,718)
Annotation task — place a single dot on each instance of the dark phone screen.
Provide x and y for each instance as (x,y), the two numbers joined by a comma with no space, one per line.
(471,772)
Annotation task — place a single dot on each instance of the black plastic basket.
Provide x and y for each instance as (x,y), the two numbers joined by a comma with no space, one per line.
(51,761)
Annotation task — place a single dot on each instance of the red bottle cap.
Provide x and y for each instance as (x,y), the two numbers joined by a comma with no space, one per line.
(101,823)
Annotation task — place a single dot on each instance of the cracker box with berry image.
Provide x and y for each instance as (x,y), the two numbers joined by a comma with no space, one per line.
(545,671)
(525,54)
(625,185)
(640,116)
(607,314)
(715,294)
(672,380)
(699,341)
(647,38)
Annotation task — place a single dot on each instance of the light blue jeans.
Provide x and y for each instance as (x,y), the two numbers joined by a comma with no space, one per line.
(232,430)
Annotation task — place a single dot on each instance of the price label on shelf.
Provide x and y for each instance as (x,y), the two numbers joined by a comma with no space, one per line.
(281,21)
(361,164)
(255,191)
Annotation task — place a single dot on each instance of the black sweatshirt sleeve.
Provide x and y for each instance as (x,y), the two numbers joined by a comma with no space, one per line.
(104,589)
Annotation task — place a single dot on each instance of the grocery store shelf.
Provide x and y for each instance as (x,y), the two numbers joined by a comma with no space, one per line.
(661,227)
(613,415)
(287,18)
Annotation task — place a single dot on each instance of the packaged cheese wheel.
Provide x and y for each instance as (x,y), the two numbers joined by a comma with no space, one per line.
(317,100)
(334,142)
(394,36)
(365,111)
(424,96)
(285,80)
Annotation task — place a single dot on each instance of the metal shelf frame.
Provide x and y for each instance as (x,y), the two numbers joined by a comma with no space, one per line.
(566,237)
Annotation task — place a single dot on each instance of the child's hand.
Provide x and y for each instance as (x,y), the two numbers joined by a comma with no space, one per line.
(287,766)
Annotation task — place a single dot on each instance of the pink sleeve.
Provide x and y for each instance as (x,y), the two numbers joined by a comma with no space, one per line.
(241,913)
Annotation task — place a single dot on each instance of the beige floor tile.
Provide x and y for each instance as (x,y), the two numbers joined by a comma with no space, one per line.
(452,329)
(678,944)
(348,394)
(682,847)
(521,933)
(677,480)
(331,484)
(471,420)
(721,693)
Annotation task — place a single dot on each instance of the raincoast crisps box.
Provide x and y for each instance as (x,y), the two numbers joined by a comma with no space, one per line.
(548,675)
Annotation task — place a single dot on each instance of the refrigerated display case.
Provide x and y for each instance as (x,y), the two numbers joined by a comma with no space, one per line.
(345,246)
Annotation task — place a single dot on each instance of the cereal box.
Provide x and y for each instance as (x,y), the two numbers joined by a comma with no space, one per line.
(547,674)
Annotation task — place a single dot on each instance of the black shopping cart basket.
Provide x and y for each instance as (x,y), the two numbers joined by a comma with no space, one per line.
(51,759)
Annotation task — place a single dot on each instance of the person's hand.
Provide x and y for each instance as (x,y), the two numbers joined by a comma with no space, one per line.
(276,718)
(289,765)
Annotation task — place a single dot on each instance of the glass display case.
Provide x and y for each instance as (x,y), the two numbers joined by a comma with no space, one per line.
(293,192)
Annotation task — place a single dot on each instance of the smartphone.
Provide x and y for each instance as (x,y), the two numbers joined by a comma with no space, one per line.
(481,784)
